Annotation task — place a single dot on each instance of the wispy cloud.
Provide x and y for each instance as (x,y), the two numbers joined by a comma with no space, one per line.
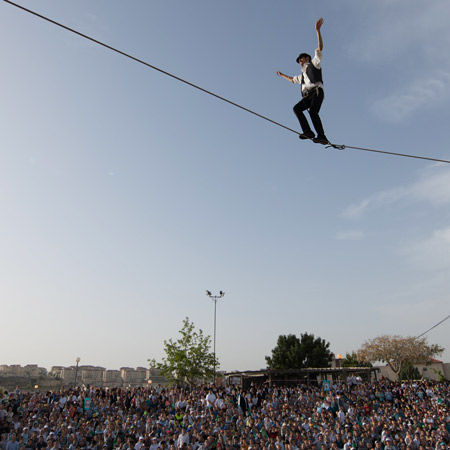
(417,95)
(433,187)
(431,253)
(387,39)
(378,200)
(389,33)
(350,235)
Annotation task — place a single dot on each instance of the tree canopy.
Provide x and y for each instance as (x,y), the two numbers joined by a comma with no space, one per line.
(188,359)
(409,372)
(294,353)
(351,360)
(396,350)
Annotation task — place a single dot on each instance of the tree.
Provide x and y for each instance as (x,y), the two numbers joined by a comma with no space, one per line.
(395,351)
(189,358)
(409,372)
(294,353)
(351,360)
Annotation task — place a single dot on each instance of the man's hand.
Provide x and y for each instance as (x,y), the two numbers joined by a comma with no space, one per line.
(319,23)
(286,77)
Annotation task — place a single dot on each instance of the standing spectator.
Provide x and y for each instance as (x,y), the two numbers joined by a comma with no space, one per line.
(210,399)
(154,445)
(12,443)
(140,444)
(183,438)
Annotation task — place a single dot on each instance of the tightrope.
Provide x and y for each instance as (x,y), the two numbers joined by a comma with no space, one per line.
(335,146)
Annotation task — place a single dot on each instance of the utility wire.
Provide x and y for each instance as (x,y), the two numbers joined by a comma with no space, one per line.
(434,326)
(336,146)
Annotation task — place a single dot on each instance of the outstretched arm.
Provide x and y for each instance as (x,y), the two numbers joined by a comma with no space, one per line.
(286,77)
(319,24)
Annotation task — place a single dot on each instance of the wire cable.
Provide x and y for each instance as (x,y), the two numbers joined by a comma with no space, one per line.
(433,327)
(336,146)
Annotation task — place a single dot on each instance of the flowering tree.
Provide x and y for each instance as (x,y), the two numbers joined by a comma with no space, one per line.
(396,351)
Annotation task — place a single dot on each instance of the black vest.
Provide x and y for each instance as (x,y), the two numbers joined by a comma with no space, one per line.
(314,74)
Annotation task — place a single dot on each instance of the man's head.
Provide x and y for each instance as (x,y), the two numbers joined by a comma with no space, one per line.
(303,58)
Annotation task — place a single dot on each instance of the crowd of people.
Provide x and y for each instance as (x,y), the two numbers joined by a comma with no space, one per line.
(381,415)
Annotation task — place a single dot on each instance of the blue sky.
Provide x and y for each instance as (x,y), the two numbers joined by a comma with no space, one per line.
(125,193)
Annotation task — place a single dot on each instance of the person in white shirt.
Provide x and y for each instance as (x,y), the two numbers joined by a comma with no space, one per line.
(183,438)
(155,444)
(210,399)
(312,91)
(140,444)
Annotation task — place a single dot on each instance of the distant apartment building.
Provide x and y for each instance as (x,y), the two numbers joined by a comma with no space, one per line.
(16,370)
(4,369)
(68,375)
(92,375)
(31,370)
(133,377)
(88,375)
(112,378)
(57,371)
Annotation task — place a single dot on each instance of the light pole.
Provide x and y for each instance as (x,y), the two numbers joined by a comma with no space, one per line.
(214,298)
(76,369)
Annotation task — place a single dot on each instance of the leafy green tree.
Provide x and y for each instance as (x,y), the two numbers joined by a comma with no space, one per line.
(294,353)
(351,360)
(188,359)
(409,372)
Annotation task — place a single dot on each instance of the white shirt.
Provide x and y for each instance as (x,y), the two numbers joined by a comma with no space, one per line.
(182,439)
(210,400)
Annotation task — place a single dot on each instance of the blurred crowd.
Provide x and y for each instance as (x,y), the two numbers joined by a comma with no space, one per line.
(363,416)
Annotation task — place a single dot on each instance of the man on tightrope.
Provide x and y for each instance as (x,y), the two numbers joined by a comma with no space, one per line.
(312,91)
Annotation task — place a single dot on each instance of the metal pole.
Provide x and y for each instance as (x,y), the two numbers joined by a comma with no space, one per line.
(76,370)
(214,299)
(215,304)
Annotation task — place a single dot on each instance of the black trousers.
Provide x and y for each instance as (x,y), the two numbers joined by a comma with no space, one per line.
(313,102)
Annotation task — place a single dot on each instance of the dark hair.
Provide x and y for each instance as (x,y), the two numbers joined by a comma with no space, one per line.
(303,55)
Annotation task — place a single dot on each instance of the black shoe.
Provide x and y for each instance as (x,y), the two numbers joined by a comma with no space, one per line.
(321,140)
(307,135)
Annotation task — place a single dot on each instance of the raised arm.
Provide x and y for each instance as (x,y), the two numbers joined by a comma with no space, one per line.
(319,24)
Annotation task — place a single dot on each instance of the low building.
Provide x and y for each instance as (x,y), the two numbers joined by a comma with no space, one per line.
(434,371)
(294,377)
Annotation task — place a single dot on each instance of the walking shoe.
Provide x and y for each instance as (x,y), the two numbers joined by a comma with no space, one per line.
(307,135)
(321,140)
